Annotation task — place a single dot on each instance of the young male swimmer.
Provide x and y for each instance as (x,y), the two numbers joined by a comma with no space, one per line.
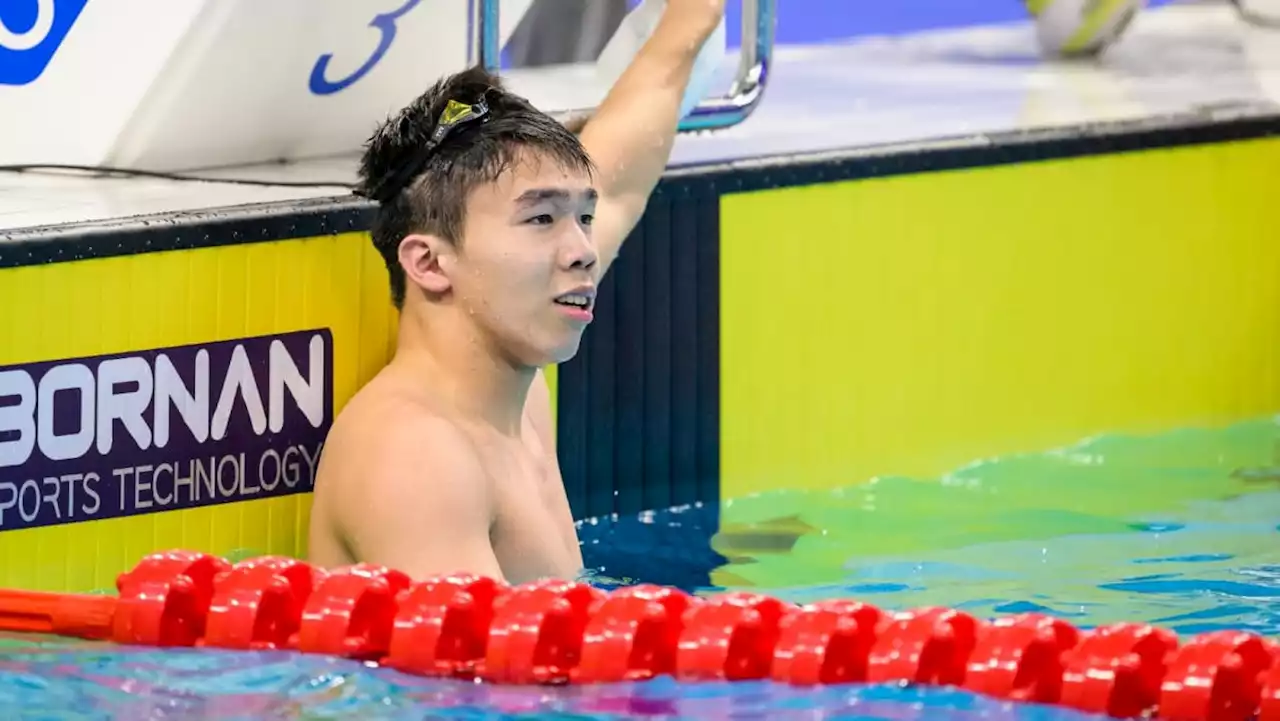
(496,224)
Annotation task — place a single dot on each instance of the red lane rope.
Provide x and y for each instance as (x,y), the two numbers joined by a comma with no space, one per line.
(560,632)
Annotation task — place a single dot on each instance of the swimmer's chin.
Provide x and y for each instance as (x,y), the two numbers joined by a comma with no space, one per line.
(564,353)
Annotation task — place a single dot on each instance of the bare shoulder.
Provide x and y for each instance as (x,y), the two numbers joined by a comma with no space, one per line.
(379,434)
(402,486)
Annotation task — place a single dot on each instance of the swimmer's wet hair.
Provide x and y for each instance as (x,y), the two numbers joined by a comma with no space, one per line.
(473,154)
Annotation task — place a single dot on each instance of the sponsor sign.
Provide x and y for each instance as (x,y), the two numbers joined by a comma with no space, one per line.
(161,430)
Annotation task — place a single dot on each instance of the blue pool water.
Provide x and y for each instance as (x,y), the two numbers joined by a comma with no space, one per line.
(1180,529)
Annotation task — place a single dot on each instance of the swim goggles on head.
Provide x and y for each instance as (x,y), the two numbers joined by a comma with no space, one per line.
(454,116)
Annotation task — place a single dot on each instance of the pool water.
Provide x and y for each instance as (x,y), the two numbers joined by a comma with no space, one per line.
(1179,529)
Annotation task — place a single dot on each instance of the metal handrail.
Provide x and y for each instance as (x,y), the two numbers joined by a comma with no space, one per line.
(758,22)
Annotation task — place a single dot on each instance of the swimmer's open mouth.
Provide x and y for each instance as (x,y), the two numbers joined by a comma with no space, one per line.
(577,300)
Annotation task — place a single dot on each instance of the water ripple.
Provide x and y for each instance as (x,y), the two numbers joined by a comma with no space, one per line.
(1177,530)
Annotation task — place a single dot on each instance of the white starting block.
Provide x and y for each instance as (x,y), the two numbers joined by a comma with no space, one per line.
(180,84)
(226,83)
(168,85)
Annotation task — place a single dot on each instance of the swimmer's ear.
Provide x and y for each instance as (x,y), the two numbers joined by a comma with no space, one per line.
(421,258)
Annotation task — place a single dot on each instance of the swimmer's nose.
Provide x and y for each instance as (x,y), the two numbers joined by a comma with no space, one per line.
(580,253)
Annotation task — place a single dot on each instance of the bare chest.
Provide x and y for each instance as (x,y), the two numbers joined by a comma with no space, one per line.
(532,533)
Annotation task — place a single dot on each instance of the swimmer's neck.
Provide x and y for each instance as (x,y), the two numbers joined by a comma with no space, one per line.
(449,358)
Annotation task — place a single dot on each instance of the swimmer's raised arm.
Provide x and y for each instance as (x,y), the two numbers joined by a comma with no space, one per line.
(409,494)
(630,136)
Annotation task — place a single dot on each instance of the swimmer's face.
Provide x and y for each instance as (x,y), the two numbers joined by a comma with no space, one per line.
(526,268)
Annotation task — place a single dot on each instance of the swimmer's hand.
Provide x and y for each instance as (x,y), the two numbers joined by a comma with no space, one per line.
(631,133)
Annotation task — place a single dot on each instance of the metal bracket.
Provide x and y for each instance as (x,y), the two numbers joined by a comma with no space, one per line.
(759,18)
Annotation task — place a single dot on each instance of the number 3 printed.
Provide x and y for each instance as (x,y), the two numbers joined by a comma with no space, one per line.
(386,24)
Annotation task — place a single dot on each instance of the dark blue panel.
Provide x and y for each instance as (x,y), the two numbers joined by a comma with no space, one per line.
(639,406)
(635,347)
(706,411)
(598,404)
(684,294)
(658,489)
(572,437)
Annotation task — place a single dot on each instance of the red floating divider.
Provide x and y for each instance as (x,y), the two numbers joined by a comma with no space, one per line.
(826,643)
(258,604)
(927,646)
(442,626)
(555,632)
(1019,658)
(1217,676)
(1117,669)
(1269,706)
(351,613)
(730,637)
(75,615)
(632,635)
(537,631)
(164,600)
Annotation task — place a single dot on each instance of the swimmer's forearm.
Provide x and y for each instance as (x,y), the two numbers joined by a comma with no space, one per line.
(631,133)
